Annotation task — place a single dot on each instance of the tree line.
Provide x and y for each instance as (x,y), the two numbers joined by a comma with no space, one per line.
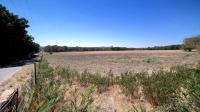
(188,45)
(15,42)
(56,48)
(168,47)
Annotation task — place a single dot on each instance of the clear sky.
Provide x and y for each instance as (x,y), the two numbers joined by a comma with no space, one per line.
(129,23)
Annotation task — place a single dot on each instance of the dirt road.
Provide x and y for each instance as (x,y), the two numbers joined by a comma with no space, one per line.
(7,73)
(12,77)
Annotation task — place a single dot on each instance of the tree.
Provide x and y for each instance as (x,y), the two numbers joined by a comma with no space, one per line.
(15,42)
(191,43)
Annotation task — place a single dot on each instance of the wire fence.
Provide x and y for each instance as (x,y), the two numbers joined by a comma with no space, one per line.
(17,101)
(11,104)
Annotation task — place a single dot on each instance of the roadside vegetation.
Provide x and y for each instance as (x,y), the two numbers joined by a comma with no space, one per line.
(174,90)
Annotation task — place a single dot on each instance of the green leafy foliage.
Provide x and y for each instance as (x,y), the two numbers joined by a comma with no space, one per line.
(102,82)
(160,88)
(191,43)
(56,48)
(128,82)
(15,43)
(193,87)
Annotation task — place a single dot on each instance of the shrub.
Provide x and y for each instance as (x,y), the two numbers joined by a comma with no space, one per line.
(128,82)
(102,82)
(47,94)
(193,87)
(80,101)
(160,87)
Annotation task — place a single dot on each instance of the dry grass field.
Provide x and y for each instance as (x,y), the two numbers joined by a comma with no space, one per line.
(176,90)
(119,62)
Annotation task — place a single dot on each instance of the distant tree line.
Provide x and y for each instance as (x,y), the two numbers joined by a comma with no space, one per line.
(56,48)
(15,42)
(169,47)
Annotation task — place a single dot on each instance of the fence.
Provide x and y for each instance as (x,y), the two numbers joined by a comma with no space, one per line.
(13,101)
(11,104)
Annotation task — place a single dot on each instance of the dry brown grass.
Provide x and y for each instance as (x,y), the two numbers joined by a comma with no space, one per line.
(67,89)
(119,62)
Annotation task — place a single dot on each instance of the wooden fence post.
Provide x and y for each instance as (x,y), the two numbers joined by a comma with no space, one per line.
(35,77)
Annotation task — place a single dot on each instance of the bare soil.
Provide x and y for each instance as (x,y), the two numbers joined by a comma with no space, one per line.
(111,100)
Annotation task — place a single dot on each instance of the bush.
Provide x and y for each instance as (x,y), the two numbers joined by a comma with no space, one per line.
(81,101)
(102,82)
(47,94)
(161,87)
(193,87)
(128,82)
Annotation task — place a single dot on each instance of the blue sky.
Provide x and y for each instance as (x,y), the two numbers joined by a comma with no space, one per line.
(129,23)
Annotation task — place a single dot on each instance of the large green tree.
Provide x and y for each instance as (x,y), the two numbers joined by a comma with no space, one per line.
(191,43)
(15,42)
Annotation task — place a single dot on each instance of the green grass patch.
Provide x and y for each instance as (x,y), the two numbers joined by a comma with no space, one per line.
(151,60)
(122,61)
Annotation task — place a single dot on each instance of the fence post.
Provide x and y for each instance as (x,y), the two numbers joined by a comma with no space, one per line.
(35,77)
(17,102)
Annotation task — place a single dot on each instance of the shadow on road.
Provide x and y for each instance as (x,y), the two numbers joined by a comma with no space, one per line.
(20,63)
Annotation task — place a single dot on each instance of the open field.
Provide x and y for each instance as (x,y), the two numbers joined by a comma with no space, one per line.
(119,62)
(66,90)
(60,88)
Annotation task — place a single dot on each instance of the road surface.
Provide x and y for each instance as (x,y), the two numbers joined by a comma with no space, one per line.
(8,76)
(7,73)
